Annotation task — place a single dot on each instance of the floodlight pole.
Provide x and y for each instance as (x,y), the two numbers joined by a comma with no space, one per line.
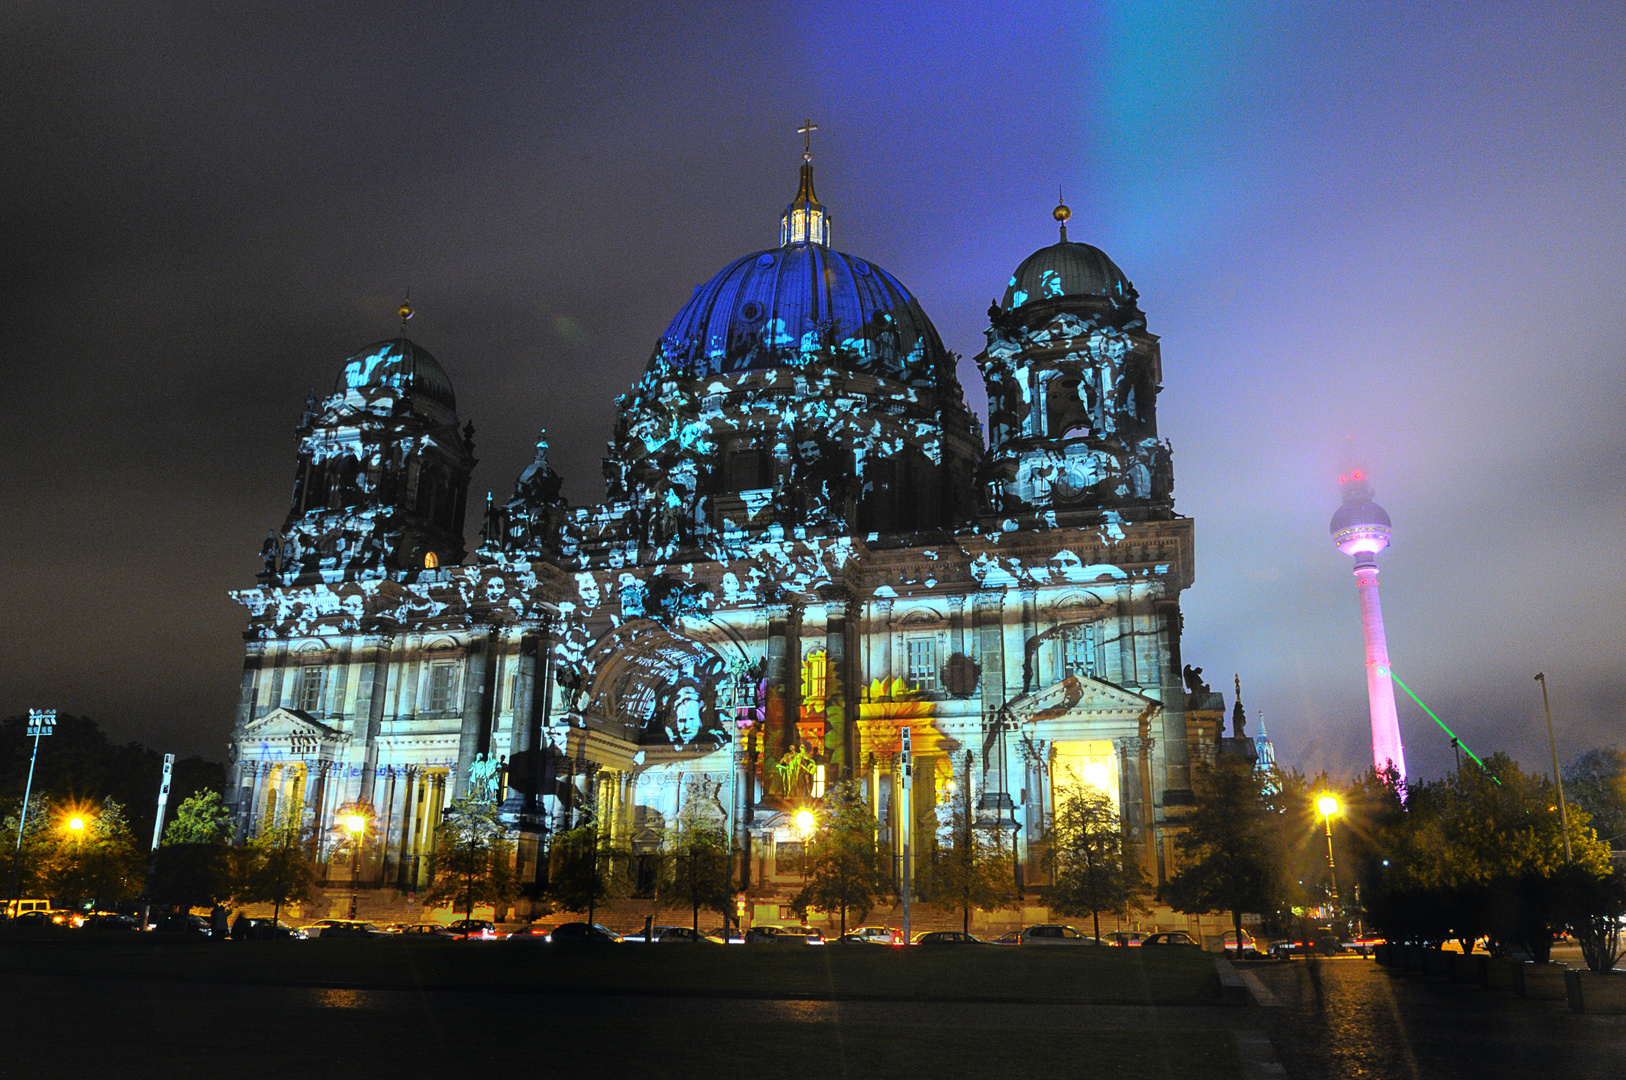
(40,723)
(1552,744)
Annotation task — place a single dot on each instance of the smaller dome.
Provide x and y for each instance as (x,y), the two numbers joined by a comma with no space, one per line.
(399,364)
(1068,269)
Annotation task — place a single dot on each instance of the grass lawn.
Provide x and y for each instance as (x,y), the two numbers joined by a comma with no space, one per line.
(988,973)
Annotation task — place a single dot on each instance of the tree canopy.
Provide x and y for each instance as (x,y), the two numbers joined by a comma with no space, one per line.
(845,869)
(1090,871)
(473,863)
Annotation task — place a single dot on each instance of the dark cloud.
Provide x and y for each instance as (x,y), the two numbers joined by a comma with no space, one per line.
(1400,229)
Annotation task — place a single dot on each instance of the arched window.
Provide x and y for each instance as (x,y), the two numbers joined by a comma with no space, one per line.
(1066,411)
(430,560)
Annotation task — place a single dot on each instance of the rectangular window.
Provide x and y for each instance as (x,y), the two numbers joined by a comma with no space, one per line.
(921,670)
(789,857)
(1079,653)
(310,688)
(442,686)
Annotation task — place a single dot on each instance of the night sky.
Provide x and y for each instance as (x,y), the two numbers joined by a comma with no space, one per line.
(1366,233)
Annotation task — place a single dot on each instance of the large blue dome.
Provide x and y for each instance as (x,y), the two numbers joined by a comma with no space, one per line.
(787,306)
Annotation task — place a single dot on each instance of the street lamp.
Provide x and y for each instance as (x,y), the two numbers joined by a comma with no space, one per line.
(1328,805)
(356,824)
(76,824)
(804,823)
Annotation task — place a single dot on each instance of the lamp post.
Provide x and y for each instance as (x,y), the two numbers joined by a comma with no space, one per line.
(1328,805)
(1552,744)
(356,825)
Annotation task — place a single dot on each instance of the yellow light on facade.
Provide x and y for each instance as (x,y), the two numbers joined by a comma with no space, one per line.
(355,823)
(804,822)
(1328,805)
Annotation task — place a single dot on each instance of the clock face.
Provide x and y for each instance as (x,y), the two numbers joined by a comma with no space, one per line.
(1073,478)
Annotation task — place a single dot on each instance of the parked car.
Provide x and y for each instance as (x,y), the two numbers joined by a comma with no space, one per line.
(874,935)
(263,929)
(948,937)
(583,933)
(537,931)
(1246,949)
(189,925)
(783,935)
(426,929)
(666,934)
(109,920)
(1131,939)
(1010,937)
(472,930)
(1055,934)
(1172,937)
(725,936)
(24,907)
(342,928)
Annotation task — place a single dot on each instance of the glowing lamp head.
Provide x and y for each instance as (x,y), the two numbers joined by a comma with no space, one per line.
(76,824)
(804,822)
(1328,805)
(355,823)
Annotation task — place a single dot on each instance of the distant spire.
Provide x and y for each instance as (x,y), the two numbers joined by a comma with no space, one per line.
(405,311)
(1061,213)
(805,220)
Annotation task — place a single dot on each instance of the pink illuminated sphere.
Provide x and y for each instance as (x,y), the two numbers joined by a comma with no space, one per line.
(1360,526)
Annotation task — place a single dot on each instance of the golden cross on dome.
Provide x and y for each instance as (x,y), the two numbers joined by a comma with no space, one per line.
(806,132)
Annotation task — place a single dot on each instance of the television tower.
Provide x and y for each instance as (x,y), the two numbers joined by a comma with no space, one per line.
(1361,528)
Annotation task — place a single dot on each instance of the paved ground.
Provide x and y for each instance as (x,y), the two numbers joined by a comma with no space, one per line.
(1349,1017)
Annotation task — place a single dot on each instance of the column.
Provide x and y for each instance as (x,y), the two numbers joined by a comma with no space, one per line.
(1176,764)
(1127,674)
(838,742)
(370,695)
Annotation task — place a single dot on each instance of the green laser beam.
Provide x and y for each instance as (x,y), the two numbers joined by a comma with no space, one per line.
(1440,722)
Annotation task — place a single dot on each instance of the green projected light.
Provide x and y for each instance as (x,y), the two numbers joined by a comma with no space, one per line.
(1440,722)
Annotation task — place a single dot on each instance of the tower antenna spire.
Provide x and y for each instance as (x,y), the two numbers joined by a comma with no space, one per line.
(805,220)
(405,310)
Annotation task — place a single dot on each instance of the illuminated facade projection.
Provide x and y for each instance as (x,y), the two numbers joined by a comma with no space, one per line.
(804,547)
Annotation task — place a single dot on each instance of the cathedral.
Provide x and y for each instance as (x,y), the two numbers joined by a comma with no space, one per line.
(808,556)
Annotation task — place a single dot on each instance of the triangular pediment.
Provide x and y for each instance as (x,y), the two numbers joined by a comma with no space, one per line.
(1076,694)
(282,723)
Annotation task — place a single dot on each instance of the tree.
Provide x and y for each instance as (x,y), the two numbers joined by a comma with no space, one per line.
(1594,908)
(967,867)
(192,866)
(845,870)
(29,867)
(99,863)
(1230,853)
(473,863)
(1480,852)
(273,868)
(1091,872)
(695,868)
(1596,782)
(589,868)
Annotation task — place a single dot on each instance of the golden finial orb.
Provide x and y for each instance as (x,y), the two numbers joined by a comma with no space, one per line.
(1061,213)
(405,311)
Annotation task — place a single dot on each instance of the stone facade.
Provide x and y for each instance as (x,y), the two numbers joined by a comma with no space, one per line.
(805,546)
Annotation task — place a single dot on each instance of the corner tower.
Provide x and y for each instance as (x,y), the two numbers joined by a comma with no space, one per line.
(1073,377)
(383,473)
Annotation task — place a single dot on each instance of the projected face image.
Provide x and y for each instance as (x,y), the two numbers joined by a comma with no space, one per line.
(687,718)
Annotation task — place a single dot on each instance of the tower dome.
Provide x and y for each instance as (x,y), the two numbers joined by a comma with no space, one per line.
(1068,269)
(397,364)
